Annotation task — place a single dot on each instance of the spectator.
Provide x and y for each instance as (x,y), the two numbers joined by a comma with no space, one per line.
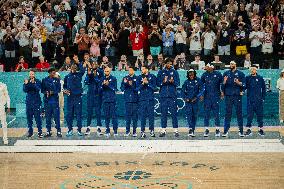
(137,38)
(240,38)
(23,37)
(67,64)
(106,63)
(22,65)
(123,64)
(255,37)
(195,41)
(150,63)
(108,39)
(209,40)
(280,87)
(36,46)
(197,61)
(217,59)
(247,61)
(10,48)
(224,39)
(82,40)
(160,62)
(181,62)
(180,38)
(42,65)
(168,40)
(95,45)
(122,38)
(155,39)
(139,61)
(267,47)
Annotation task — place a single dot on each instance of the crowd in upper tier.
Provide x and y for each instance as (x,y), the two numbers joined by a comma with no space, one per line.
(48,33)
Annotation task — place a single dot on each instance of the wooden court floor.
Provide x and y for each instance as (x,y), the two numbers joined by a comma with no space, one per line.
(152,171)
(141,170)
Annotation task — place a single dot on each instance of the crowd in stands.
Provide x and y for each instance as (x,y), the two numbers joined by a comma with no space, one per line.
(55,33)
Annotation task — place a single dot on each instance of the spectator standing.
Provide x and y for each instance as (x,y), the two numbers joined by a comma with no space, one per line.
(168,38)
(280,87)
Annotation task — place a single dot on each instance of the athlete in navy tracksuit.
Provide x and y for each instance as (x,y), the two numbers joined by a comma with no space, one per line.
(233,87)
(108,89)
(146,85)
(128,86)
(94,97)
(73,88)
(212,80)
(32,87)
(50,87)
(256,91)
(168,81)
(192,91)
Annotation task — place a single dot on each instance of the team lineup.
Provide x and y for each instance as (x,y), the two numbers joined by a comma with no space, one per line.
(139,99)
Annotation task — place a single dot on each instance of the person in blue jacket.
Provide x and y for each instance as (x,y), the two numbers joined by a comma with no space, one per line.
(168,81)
(128,86)
(94,97)
(256,91)
(192,92)
(51,87)
(212,81)
(108,89)
(32,88)
(146,86)
(73,88)
(232,88)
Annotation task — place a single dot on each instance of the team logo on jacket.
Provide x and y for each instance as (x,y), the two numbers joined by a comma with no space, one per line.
(215,76)
(256,79)
(172,73)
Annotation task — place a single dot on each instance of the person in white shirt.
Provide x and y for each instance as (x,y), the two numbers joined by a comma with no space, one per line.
(255,37)
(267,39)
(180,38)
(280,87)
(200,63)
(195,41)
(4,100)
(247,61)
(23,36)
(209,40)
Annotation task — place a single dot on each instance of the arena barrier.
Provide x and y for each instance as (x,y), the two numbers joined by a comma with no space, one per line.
(15,80)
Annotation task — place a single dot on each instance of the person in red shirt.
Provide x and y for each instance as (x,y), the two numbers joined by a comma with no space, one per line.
(137,39)
(22,65)
(42,65)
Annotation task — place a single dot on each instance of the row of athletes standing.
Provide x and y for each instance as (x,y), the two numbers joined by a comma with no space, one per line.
(139,99)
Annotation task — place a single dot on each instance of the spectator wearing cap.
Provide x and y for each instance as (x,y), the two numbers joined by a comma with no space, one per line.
(137,38)
(256,91)
(232,88)
(155,40)
(212,95)
(280,87)
(241,38)
(22,65)
(255,37)
(209,40)
(224,38)
(180,38)
(168,38)
(199,62)
(195,41)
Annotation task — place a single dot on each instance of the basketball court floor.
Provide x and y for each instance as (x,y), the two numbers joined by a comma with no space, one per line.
(151,163)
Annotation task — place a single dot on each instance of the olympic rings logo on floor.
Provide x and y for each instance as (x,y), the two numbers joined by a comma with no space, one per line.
(180,105)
